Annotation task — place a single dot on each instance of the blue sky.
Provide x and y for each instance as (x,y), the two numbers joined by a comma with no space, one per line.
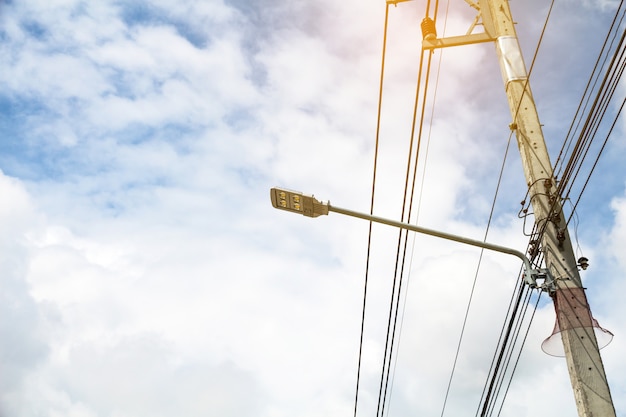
(145,272)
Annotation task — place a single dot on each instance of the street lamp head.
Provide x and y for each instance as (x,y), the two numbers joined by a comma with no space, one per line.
(297,202)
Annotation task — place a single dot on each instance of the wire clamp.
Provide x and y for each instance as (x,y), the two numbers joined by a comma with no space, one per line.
(543,274)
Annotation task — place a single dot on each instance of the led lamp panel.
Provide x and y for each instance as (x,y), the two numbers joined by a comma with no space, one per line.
(297,202)
(287,200)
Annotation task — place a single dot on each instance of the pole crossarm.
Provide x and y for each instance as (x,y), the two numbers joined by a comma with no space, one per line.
(431,42)
(456,41)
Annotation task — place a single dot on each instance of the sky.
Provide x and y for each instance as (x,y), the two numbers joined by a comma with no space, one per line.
(145,272)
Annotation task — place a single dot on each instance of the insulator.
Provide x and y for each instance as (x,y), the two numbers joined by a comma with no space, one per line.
(429,31)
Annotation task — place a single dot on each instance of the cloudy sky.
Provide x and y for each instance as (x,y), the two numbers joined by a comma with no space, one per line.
(145,273)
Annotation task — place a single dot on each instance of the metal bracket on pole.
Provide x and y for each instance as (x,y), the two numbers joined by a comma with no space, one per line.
(467,39)
(456,41)
(548,285)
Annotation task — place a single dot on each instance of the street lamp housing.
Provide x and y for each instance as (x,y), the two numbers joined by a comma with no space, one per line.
(305,204)
(297,202)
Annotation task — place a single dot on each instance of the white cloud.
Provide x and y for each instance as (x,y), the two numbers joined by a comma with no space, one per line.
(148,273)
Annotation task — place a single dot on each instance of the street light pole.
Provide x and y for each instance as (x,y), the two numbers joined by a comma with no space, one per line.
(308,205)
(587,374)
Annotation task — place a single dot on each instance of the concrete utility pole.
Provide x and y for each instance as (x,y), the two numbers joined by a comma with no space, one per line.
(588,378)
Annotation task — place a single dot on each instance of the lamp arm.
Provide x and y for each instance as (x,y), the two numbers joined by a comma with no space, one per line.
(529,272)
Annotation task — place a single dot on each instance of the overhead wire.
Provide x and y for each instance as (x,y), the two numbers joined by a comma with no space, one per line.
(584,101)
(471,296)
(598,110)
(520,353)
(392,324)
(512,347)
(399,268)
(415,164)
(607,97)
(369,236)
(568,170)
(491,383)
(595,163)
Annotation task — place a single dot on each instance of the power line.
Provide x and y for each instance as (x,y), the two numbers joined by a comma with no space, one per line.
(595,163)
(593,117)
(469,302)
(411,198)
(491,384)
(399,264)
(520,353)
(588,89)
(369,237)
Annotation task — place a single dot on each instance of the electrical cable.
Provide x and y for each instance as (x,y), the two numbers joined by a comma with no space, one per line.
(399,268)
(569,136)
(519,321)
(411,199)
(396,294)
(591,134)
(497,359)
(399,264)
(512,317)
(594,116)
(520,354)
(595,163)
(493,205)
(369,237)
(594,119)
